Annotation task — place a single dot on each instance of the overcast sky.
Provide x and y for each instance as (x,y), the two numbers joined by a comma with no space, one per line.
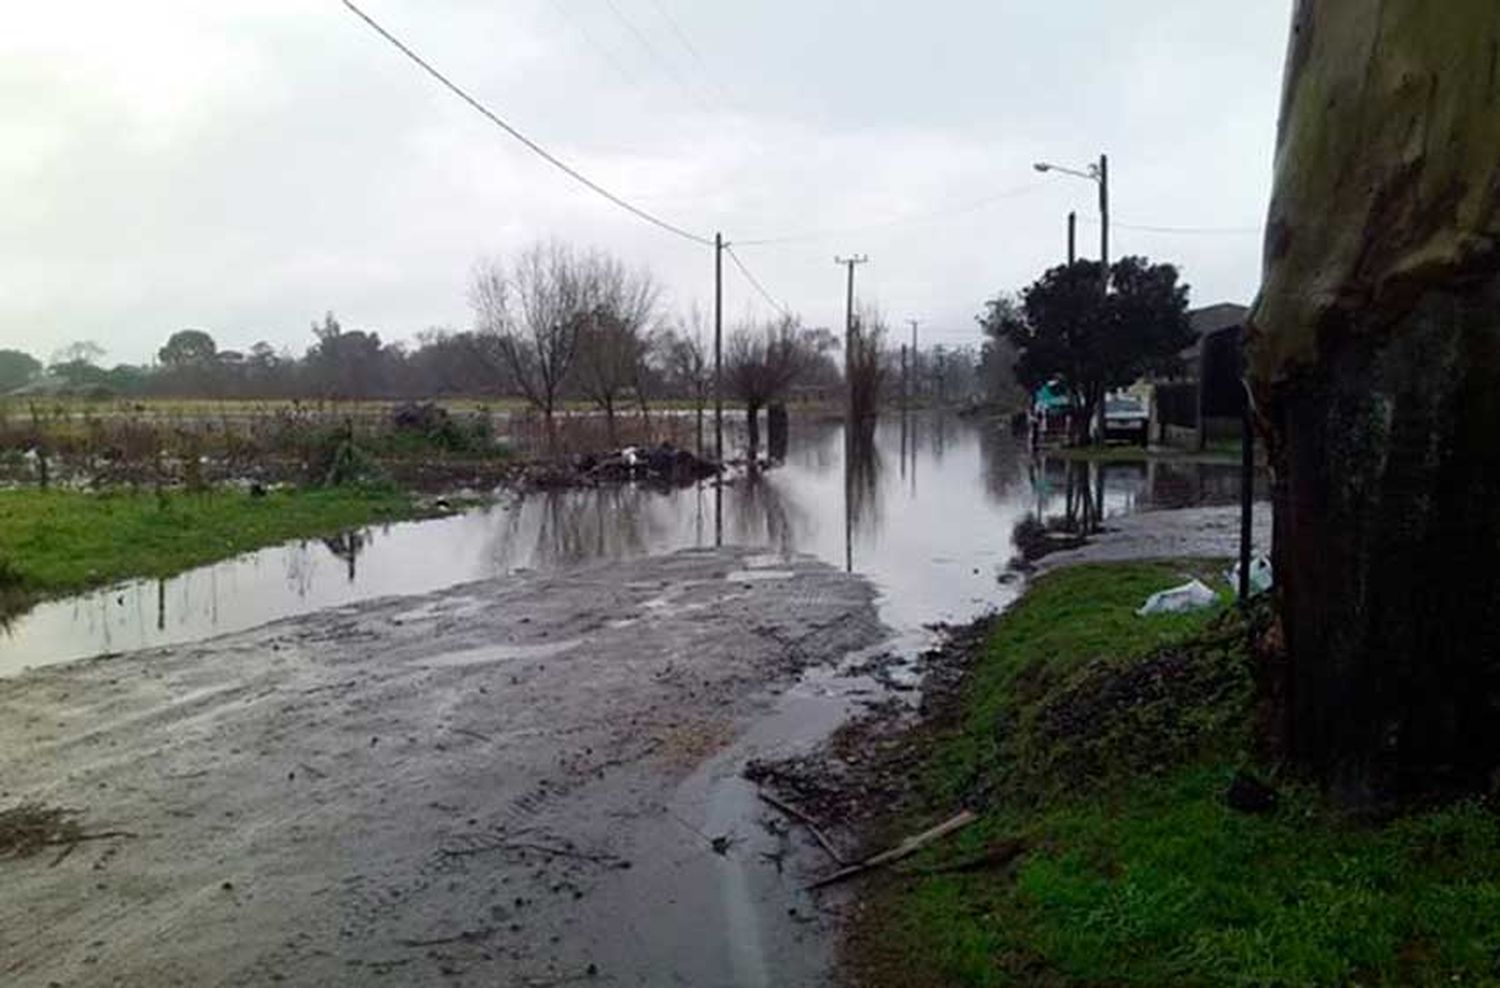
(242,166)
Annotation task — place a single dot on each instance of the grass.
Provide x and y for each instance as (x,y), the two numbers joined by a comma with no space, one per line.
(58,541)
(1104,743)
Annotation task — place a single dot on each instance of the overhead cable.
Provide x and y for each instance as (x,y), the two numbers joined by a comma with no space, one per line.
(536,148)
(755,283)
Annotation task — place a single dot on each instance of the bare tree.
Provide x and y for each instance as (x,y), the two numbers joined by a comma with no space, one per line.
(867,360)
(616,334)
(533,312)
(688,369)
(762,362)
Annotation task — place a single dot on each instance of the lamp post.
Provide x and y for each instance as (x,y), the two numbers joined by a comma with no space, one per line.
(1098,173)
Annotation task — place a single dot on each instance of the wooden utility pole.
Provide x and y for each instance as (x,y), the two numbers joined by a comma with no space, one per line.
(850,262)
(1072,238)
(719,348)
(1104,217)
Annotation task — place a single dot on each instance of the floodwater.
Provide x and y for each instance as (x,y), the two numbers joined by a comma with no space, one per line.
(925,509)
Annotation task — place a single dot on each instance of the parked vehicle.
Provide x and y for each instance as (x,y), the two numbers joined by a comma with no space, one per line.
(1126,417)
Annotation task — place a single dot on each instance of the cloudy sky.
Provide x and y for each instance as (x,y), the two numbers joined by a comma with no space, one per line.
(245,165)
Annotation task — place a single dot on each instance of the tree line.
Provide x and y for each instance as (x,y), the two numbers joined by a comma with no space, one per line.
(552,324)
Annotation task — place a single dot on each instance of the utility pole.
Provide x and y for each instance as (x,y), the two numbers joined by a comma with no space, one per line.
(1103,176)
(719,388)
(850,263)
(938,355)
(719,348)
(1072,238)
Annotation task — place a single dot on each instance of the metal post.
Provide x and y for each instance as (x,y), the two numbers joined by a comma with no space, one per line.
(1072,238)
(1100,420)
(1247,498)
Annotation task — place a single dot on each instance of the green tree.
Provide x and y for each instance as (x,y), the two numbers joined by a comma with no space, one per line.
(16,369)
(188,348)
(1065,330)
(1374,359)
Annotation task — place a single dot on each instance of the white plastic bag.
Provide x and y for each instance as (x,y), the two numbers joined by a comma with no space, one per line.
(1260,575)
(1191,596)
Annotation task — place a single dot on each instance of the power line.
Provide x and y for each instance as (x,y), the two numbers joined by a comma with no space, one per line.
(532,145)
(1184,230)
(755,282)
(896,220)
(657,56)
(690,48)
(588,36)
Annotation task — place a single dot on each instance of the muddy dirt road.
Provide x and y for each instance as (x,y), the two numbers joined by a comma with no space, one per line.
(514,782)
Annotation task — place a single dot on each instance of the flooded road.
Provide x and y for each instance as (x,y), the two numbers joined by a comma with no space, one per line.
(346,759)
(927,515)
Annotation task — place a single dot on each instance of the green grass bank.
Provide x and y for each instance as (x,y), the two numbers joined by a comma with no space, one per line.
(58,541)
(1100,745)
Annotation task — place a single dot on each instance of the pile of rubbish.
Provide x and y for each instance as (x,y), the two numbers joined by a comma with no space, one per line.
(664,464)
(1195,594)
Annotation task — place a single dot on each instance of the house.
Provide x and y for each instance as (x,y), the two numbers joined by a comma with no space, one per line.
(1207,400)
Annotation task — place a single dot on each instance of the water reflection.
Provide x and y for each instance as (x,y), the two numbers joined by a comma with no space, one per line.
(347,546)
(933,548)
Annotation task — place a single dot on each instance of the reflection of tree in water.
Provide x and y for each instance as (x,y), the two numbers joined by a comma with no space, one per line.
(1005,461)
(347,546)
(1074,486)
(760,513)
(556,528)
(814,444)
(862,478)
(299,569)
(13,603)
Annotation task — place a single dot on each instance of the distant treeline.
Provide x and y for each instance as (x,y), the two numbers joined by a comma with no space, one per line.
(555,324)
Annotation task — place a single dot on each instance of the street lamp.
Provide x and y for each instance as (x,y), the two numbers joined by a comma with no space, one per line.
(1098,173)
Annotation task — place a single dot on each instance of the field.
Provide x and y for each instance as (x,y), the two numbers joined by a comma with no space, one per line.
(196,443)
(58,541)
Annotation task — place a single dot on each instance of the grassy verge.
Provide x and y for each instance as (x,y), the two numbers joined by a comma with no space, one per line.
(54,542)
(1103,743)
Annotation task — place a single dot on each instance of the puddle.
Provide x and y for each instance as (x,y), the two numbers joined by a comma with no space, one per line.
(496,653)
(927,513)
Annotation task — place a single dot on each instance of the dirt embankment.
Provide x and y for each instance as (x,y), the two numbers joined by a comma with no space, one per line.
(465,788)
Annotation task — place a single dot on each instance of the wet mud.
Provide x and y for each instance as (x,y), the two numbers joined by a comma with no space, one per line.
(526,781)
